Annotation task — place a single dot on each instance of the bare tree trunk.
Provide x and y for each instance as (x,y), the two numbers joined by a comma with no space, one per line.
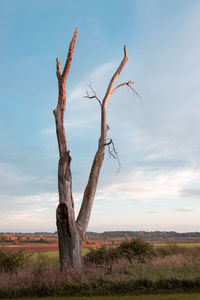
(71,232)
(69,236)
(89,193)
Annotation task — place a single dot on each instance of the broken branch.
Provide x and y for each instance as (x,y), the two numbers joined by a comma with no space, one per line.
(69,56)
(112,152)
(58,67)
(135,92)
(125,83)
(113,79)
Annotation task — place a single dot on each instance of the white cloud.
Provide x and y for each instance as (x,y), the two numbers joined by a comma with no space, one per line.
(12,176)
(145,185)
(78,108)
(158,137)
(95,78)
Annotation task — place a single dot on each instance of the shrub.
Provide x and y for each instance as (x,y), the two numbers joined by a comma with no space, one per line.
(169,250)
(133,250)
(42,263)
(162,251)
(102,255)
(136,249)
(10,260)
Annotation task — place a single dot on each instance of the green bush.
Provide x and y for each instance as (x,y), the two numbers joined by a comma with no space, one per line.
(10,260)
(133,250)
(102,255)
(163,251)
(136,250)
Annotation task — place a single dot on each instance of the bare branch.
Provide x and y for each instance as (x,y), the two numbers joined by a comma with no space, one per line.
(107,144)
(58,67)
(60,109)
(113,79)
(128,83)
(88,197)
(92,90)
(69,56)
(112,152)
(125,83)
(135,92)
(94,96)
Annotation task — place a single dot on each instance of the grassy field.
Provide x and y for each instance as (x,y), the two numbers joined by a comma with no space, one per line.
(141,297)
(162,270)
(184,245)
(55,254)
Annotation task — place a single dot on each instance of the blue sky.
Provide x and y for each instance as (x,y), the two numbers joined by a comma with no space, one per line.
(157,139)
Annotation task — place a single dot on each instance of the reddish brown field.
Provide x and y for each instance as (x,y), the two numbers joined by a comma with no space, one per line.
(44,247)
(32,248)
(97,244)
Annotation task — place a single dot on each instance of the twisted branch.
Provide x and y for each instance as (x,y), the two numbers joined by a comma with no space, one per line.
(112,152)
(94,96)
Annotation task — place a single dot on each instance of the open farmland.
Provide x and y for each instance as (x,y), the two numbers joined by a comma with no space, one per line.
(131,268)
(48,247)
(33,248)
(53,247)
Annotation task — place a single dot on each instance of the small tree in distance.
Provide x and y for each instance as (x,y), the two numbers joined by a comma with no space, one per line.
(71,231)
(127,238)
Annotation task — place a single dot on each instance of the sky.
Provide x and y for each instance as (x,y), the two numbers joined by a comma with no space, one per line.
(157,137)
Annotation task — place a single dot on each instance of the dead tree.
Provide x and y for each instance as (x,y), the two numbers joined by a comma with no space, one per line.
(71,231)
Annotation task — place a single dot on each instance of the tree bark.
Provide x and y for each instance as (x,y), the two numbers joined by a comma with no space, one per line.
(69,237)
(89,193)
(71,232)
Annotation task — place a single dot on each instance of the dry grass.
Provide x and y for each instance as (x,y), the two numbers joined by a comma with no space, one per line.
(41,276)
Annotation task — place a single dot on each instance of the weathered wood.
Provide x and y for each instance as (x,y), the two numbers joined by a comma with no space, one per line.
(69,240)
(69,236)
(71,231)
(89,193)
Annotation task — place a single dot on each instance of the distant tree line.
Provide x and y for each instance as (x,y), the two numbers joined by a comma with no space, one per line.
(120,234)
(144,234)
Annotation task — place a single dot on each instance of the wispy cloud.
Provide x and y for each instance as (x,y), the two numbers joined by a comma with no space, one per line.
(190,192)
(16,180)
(152,212)
(184,210)
(157,139)
(79,108)
(96,78)
(146,185)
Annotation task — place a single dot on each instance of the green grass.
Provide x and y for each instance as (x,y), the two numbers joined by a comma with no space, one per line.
(186,245)
(172,274)
(49,254)
(141,297)
(55,254)
(156,272)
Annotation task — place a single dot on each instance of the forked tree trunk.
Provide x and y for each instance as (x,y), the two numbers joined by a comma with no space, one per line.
(71,231)
(69,237)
